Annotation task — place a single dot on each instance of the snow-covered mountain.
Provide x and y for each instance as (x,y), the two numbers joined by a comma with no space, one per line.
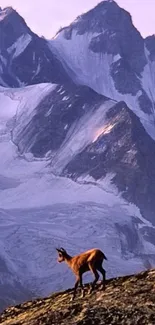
(105,51)
(83,133)
(25,58)
(77,148)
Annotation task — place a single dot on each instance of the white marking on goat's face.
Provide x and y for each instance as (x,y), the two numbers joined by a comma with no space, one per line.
(60,258)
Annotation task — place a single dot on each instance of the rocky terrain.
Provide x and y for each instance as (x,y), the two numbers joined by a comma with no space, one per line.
(127,300)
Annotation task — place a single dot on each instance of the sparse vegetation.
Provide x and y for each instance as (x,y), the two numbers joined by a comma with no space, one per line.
(127,300)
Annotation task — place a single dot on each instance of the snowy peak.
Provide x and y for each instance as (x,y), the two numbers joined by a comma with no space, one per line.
(107,15)
(9,12)
(108,29)
(25,58)
(12,26)
(15,38)
(5,12)
(104,51)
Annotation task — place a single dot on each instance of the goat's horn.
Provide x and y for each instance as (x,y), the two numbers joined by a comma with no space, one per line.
(62,249)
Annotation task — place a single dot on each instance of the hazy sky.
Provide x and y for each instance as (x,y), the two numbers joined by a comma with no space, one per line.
(45,17)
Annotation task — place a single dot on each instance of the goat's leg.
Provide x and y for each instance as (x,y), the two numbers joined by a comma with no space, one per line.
(95,273)
(75,288)
(103,272)
(82,287)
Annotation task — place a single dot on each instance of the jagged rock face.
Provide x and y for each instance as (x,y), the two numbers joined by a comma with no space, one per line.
(25,58)
(12,26)
(106,15)
(115,34)
(125,150)
(110,56)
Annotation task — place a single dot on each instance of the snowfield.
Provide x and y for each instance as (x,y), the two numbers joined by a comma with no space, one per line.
(40,211)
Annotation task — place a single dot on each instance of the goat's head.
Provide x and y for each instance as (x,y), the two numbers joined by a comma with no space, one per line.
(61,254)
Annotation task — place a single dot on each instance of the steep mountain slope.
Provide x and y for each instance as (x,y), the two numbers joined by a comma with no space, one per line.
(123,148)
(126,300)
(83,133)
(24,57)
(54,118)
(105,51)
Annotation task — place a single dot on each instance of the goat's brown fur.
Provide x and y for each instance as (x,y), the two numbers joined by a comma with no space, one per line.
(90,260)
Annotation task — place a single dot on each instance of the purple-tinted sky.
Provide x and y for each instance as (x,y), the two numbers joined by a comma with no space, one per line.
(45,17)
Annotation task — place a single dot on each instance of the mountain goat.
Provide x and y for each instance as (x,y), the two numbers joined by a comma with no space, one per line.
(90,260)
